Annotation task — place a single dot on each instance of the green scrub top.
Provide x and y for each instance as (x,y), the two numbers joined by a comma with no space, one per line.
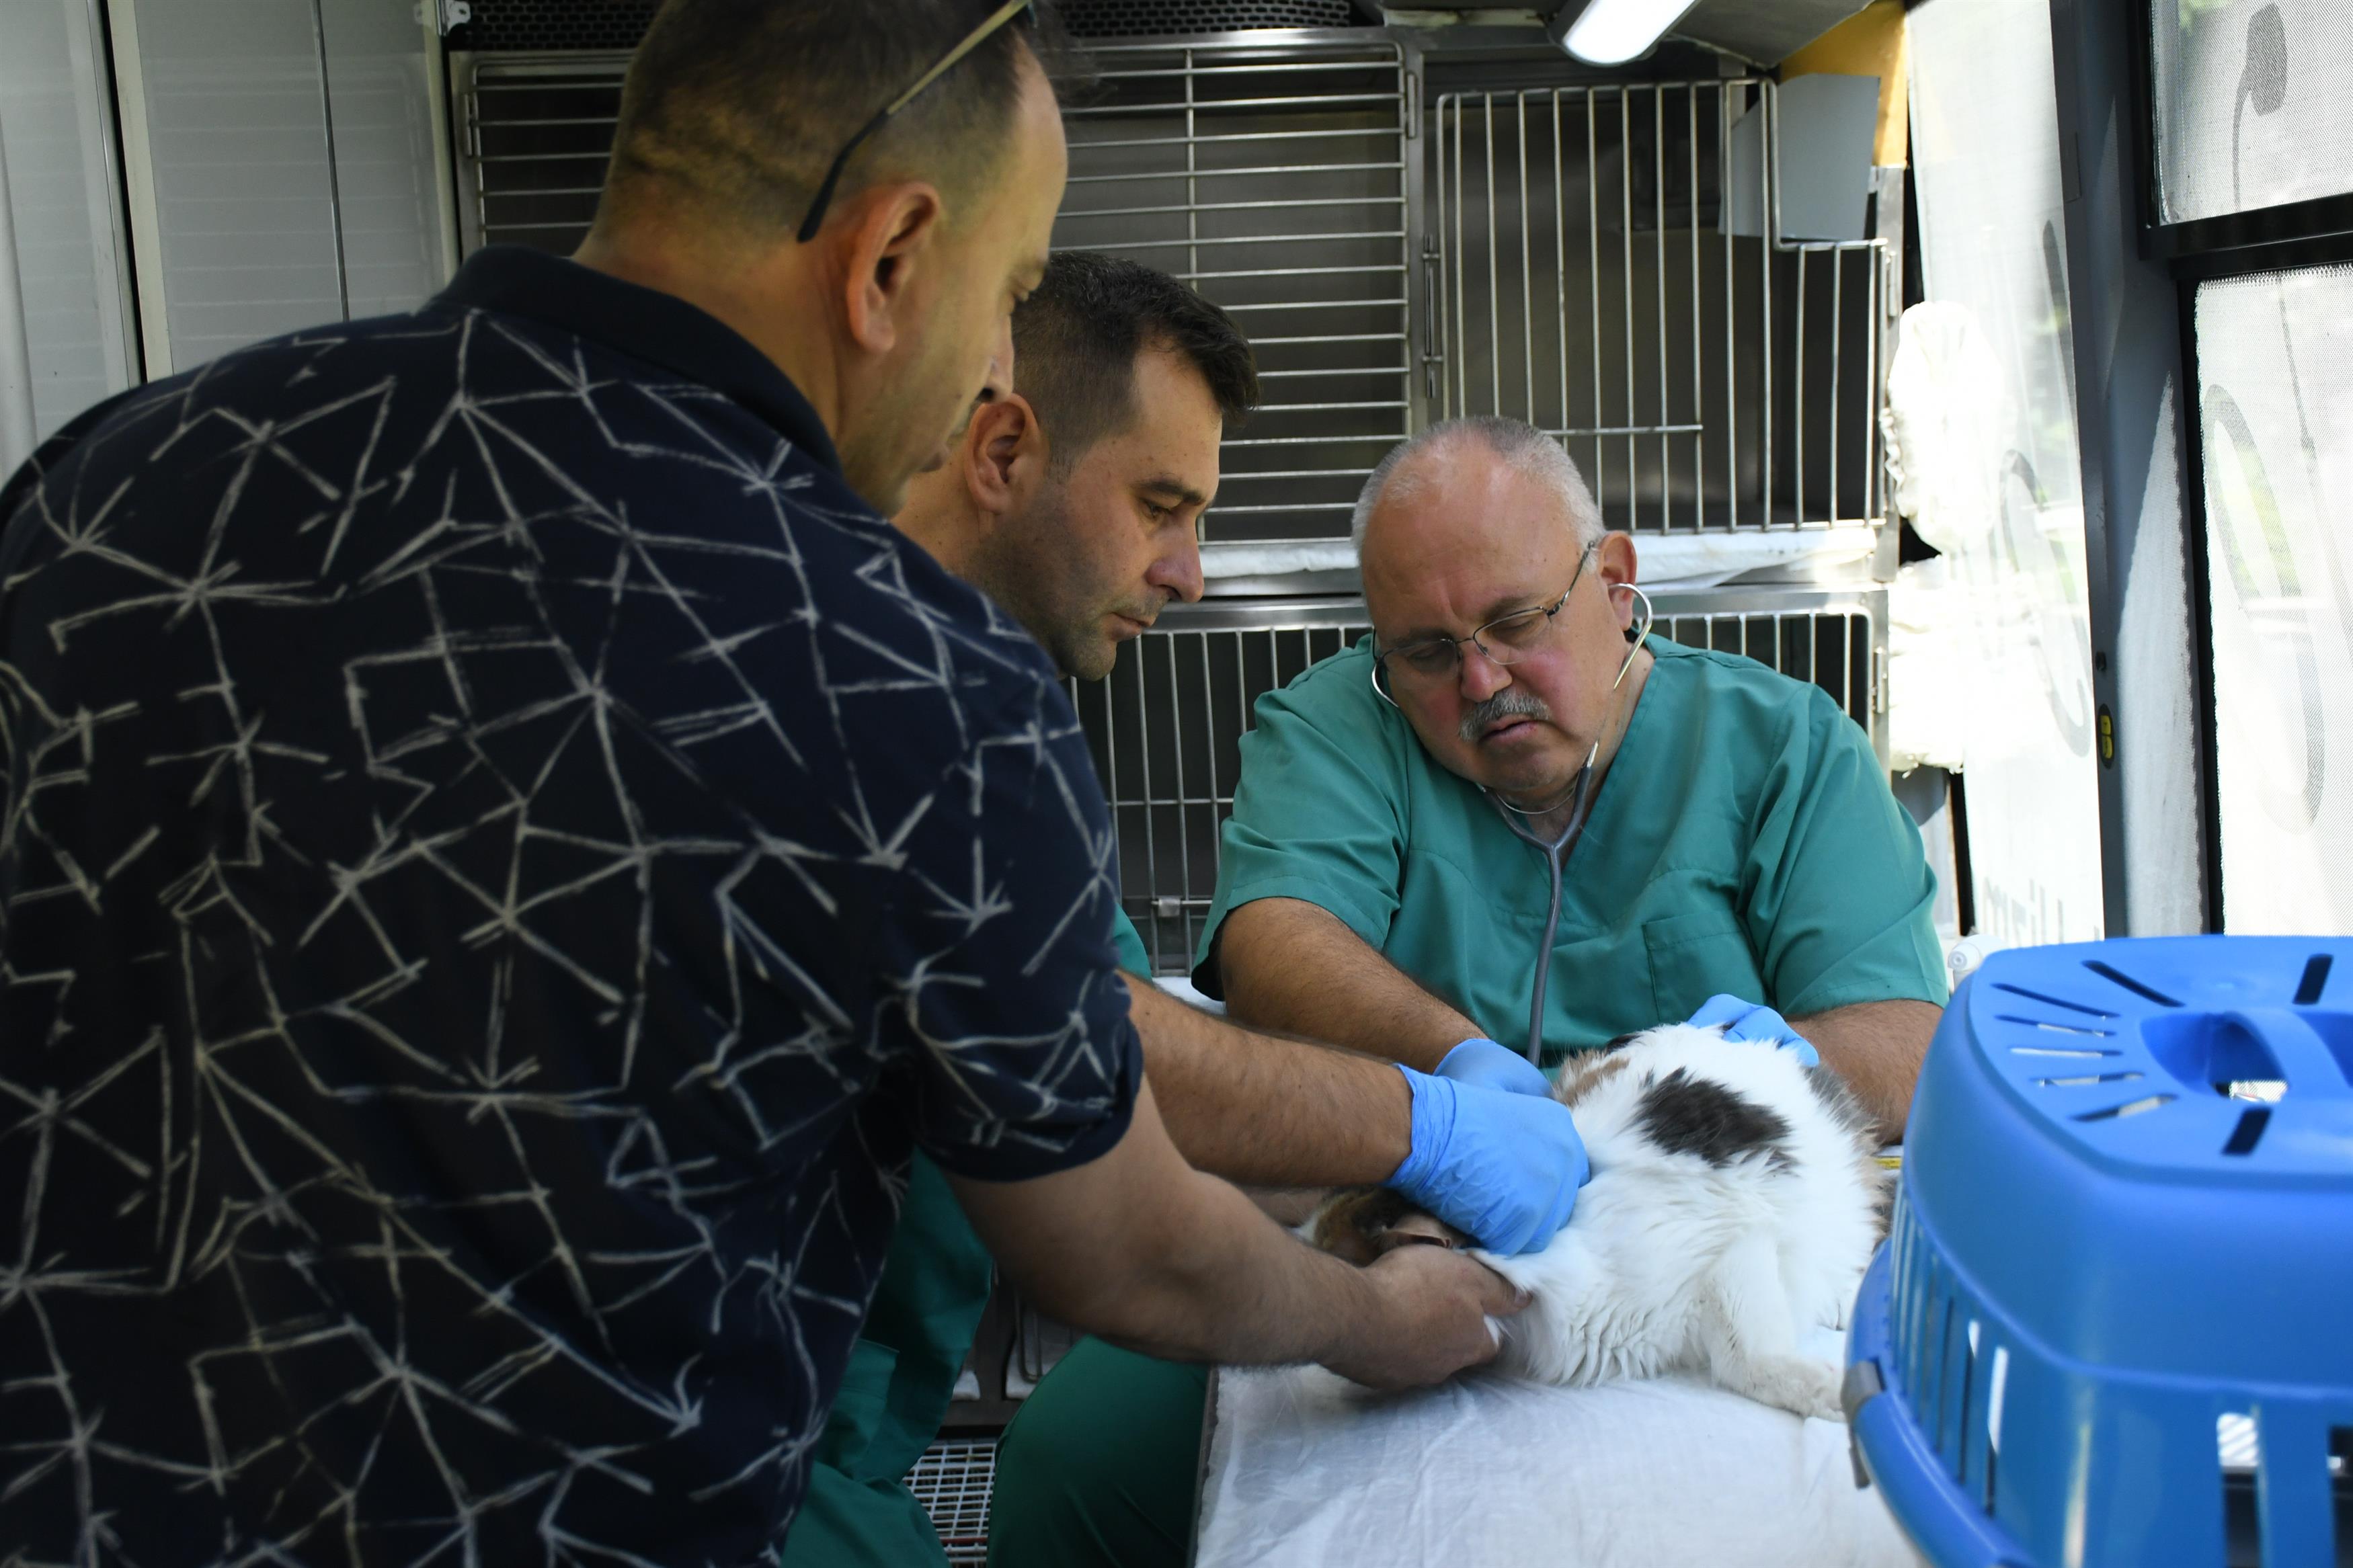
(1744,840)
(858,1513)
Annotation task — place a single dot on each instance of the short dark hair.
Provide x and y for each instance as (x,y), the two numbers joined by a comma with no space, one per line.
(739,105)
(1076,337)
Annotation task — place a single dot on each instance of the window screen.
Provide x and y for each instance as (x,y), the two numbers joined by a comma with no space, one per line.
(2253,101)
(2275,399)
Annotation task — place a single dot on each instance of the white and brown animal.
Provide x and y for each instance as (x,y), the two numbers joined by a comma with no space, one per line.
(1735,1201)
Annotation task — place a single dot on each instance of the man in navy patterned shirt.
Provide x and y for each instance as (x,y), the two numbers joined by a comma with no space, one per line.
(504,854)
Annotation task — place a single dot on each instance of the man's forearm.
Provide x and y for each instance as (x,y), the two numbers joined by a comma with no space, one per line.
(1270,1112)
(1291,966)
(1164,1259)
(1876,1046)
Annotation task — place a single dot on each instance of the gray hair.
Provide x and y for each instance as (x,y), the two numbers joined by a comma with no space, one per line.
(1514,442)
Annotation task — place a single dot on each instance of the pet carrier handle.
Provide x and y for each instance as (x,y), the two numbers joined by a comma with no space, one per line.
(1907,1470)
(2304,1057)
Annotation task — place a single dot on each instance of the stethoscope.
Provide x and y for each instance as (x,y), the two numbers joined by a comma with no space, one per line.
(1556,851)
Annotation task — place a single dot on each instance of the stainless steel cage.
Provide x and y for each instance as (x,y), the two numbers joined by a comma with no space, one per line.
(1167,725)
(1588,276)
(1273,176)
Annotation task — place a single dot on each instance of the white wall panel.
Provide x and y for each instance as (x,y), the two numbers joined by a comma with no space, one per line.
(399,236)
(64,219)
(237,138)
(1985,141)
(281,199)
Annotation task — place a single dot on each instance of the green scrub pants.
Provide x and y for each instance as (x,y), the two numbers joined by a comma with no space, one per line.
(1101,1465)
(858,1513)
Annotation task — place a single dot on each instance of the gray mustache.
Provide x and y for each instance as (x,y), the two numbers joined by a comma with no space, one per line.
(1508,703)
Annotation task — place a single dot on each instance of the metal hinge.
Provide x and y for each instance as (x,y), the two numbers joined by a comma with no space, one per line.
(443,14)
(1413,104)
(1879,680)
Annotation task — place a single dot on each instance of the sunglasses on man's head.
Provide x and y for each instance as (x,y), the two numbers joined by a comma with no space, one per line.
(815,219)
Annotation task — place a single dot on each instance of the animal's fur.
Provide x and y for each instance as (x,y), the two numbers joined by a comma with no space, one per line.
(1735,1201)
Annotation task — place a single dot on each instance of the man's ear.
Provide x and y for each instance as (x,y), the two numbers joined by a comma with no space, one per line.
(1615,562)
(1004,453)
(889,234)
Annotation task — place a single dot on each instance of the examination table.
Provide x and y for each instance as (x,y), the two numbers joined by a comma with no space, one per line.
(1304,1468)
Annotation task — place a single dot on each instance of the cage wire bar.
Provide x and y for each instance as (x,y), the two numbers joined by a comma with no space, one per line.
(1166,727)
(1706,377)
(1273,178)
(533,132)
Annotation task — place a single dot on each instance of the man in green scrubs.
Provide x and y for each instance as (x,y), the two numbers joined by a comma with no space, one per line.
(1385,880)
(1072,496)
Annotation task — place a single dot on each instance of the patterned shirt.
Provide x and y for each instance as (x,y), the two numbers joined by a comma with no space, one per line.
(505,857)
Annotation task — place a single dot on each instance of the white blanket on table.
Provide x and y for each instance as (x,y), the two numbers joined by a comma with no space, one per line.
(1307,1469)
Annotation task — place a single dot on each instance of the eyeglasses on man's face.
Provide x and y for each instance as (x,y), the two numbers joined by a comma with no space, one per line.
(1428,664)
(815,219)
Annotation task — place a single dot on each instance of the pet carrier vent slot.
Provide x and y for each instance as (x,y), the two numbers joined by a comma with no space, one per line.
(2078,1081)
(2315,981)
(2216,1050)
(2053,1001)
(2340,1490)
(1998,1386)
(1969,1387)
(2239,1451)
(1935,1363)
(2059,1051)
(2129,1108)
(2249,1131)
(2109,971)
(2056,1028)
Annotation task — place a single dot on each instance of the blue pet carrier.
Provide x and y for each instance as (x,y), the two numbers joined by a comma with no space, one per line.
(2113,1322)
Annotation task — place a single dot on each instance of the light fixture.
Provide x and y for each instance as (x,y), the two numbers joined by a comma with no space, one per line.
(1611,32)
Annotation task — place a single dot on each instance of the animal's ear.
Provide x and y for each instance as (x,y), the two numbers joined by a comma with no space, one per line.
(1352,1222)
(1622,1041)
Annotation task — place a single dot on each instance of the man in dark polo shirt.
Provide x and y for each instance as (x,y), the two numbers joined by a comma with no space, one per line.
(504,854)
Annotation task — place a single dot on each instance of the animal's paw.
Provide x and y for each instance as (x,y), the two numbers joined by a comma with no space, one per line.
(1798,1384)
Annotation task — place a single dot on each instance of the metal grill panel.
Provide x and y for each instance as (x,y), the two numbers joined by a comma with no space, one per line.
(540,25)
(1165,726)
(1273,178)
(534,135)
(1587,279)
(952,1480)
(1175,18)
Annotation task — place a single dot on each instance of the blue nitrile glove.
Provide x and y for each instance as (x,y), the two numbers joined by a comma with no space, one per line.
(1747,1021)
(1502,1167)
(1482,1062)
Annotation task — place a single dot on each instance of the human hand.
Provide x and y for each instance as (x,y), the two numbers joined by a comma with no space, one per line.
(1749,1021)
(1482,1062)
(1434,1315)
(1502,1167)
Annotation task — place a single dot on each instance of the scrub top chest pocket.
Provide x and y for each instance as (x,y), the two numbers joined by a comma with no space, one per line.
(1695,956)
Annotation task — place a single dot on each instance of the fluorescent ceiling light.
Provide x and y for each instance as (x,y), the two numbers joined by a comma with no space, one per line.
(1611,32)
